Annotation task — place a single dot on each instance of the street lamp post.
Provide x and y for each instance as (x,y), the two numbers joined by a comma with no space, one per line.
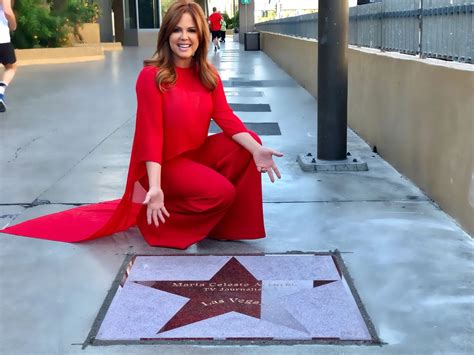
(332,155)
(333,24)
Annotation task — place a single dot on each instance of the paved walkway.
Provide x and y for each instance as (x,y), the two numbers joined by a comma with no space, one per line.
(66,139)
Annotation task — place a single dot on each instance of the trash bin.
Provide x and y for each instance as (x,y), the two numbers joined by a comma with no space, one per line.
(252,41)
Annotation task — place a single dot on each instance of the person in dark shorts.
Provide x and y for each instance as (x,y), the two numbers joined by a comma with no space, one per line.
(215,36)
(215,24)
(7,52)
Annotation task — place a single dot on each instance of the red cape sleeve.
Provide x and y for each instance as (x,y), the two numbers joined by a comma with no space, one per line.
(148,140)
(101,219)
(223,114)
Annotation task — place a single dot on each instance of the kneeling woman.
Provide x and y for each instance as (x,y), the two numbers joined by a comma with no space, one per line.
(183,185)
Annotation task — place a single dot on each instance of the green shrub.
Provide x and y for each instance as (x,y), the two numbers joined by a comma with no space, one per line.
(233,22)
(78,12)
(37,27)
(82,11)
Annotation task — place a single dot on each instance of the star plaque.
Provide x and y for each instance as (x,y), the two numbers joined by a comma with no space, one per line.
(300,297)
(232,288)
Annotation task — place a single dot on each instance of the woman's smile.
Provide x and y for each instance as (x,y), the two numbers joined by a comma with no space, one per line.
(184,47)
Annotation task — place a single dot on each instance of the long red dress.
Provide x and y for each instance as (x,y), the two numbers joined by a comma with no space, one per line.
(211,185)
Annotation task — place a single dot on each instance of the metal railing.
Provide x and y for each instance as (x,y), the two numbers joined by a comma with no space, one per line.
(441,29)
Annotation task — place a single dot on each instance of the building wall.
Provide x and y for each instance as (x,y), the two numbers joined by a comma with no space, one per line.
(297,57)
(246,19)
(148,37)
(130,36)
(105,21)
(418,113)
(222,6)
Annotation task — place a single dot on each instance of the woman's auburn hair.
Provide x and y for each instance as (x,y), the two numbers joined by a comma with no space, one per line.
(163,56)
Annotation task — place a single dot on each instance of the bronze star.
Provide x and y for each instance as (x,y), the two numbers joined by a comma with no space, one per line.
(232,289)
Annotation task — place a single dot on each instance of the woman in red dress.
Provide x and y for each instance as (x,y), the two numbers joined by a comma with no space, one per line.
(183,185)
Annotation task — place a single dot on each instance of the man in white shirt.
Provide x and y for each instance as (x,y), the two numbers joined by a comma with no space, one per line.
(7,52)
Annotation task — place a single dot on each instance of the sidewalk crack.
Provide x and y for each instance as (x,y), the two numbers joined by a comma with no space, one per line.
(20,148)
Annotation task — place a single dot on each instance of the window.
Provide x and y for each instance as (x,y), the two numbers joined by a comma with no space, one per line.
(130,14)
(149,13)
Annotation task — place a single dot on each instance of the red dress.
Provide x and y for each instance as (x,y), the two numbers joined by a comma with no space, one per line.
(211,185)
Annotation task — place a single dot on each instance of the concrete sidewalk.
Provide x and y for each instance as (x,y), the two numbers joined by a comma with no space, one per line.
(66,138)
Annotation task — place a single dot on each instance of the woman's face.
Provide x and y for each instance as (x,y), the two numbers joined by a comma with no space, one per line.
(184,41)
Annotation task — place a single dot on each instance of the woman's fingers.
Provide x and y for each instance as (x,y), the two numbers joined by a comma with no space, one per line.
(165,211)
(156,215)
(277,172)
(277,153)
(148,215)
(270,174)
(160,216)
(155,218)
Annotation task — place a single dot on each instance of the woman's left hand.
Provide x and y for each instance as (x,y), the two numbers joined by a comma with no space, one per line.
(263,158)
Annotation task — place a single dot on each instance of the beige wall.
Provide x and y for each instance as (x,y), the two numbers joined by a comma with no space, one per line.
(59,55)
(148,38)
(246,19)
(89,32)
(297,57)
(419,114)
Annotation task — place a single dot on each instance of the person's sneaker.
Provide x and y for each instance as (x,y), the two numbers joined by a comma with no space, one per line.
(3,107)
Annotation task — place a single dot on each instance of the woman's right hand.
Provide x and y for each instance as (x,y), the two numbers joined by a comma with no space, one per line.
(156,210)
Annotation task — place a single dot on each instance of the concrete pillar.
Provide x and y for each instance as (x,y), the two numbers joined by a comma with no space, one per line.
(333,27)
(117,7)
(246,18)
(105,21)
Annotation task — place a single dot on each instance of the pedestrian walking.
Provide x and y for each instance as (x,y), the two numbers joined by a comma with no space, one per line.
(223,29)
(215,24)
(7,52)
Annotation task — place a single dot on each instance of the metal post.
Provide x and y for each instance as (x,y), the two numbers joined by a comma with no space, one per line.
(333,31)
(420,37)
